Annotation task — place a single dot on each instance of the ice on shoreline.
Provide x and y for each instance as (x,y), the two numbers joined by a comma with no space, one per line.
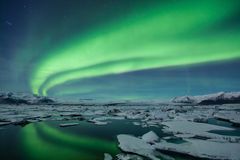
(203,149)
(190,146)
(68,124)
(187,123)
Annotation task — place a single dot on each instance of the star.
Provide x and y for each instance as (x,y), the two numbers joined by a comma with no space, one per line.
(9,23)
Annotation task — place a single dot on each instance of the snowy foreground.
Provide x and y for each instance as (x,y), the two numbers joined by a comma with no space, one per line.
(188,124)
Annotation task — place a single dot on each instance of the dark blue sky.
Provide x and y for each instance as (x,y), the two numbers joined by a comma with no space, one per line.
(30,30)
(159,84)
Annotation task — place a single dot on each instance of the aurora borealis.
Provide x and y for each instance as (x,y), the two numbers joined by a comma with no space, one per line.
(120,49)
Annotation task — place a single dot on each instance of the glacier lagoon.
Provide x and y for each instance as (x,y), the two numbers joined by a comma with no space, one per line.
(91,131)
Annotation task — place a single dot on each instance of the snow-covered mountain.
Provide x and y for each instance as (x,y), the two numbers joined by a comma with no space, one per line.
(216,98)
(23,98)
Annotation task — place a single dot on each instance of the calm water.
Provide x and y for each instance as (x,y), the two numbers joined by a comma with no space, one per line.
(46,140)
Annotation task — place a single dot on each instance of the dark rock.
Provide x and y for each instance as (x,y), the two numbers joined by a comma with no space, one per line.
(45,100)
(114,110)
(22,123)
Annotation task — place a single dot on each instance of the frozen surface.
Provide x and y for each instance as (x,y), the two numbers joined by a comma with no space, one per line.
(150,137)
(192,129)
(128,157)
(216,98)
(23,98)
(135,145)
(68,124)
(199,127)
(190,146)
(203,149)
(231,116)
(107,156)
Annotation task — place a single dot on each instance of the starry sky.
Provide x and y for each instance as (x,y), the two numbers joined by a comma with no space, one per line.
(119,49)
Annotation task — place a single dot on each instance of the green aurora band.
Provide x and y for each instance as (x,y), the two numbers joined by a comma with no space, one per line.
(171,34)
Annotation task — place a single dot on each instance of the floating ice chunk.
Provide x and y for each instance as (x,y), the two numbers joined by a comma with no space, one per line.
(230,116)
(68,124)
(135,145)
(97,122)
(114,111)
(194,129)
(4,123)
(107,156)
(122,156)
(136,123)
(150,137)
(158,115)
(104,118)
(203,149)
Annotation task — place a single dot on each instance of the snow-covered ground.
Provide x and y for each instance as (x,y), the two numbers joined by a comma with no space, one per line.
(203,149)
(23,98)
(188,123)
(192,147)
(216,98)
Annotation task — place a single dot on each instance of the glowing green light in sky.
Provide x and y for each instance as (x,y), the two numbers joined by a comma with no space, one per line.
(169,35)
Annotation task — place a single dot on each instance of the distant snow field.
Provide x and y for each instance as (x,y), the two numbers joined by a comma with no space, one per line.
(193,125)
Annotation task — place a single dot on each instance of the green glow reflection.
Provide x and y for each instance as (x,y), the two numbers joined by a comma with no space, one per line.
(41,141)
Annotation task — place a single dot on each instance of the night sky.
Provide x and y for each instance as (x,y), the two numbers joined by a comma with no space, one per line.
(119,49)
